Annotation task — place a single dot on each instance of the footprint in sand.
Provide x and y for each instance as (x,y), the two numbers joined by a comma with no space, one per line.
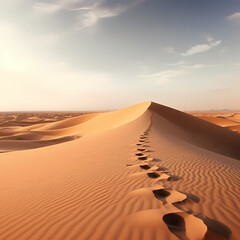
(153,175)
(168,195)
(175,224)
(185,226)
(139,154)
(160,193)
(143,157)
(145,166)
(142,149)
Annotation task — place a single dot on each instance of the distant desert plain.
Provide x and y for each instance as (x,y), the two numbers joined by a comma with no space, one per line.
(145,172)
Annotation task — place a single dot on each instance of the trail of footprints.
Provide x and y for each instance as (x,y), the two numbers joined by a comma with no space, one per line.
(180,223)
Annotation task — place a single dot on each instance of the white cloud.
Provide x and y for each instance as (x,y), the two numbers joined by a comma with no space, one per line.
(235,16)
(163,76)
(177,63)
(47,7)
(180,68)
(201,48)
(88,12)
(91,16)
(51,6)
(195,66)
(186,65)
(210,39)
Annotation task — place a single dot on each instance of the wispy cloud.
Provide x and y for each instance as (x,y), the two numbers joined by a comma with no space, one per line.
(88,12)
(201,48)
(163,76)
(195,66)
(47,7)
(91,16)
(235,16)
(177,70)
(209,39)
(179,63)
(187,65)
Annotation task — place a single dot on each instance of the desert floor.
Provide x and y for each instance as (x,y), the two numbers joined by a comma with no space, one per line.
(142,172)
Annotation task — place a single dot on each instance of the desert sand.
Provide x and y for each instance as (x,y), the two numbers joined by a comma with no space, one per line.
(143,172)
(230,120)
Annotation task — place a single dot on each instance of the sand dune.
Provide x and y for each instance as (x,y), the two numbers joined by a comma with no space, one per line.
(17,131)
(143,172)
(228,120)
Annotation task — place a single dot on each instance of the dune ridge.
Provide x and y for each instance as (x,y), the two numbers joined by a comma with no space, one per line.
(136,173)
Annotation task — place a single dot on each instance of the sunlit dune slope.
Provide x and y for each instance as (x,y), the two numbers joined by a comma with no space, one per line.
(40,135)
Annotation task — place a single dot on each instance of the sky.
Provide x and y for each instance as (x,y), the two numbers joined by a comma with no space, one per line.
(74,55)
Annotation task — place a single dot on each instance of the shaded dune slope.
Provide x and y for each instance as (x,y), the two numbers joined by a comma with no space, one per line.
(200,132)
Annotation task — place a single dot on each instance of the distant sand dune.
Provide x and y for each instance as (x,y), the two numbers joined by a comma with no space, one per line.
(143,172)
(228,120)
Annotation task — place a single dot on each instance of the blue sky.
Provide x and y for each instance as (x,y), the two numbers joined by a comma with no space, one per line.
(108,54)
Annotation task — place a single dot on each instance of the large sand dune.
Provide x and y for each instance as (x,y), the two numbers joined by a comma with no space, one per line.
(143,172)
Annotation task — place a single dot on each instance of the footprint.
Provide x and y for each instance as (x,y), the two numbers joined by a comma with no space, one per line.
(141,149)
(169,196)
(145,166)
(176,224)
(139,144)
(185,226)
(161,194)
(143,158)
(153,175)
(141,140)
